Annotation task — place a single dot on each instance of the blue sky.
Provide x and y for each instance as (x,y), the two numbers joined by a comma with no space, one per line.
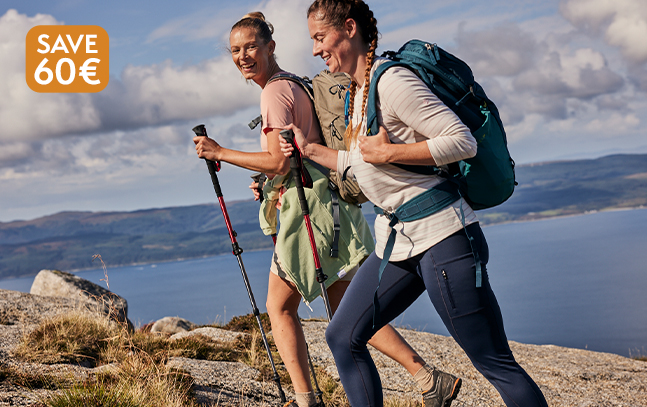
(569,77)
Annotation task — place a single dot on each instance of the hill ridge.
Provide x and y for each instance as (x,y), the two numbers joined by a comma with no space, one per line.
(68,240)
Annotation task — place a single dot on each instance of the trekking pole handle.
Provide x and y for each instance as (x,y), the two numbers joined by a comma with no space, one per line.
(288,135)
(214,166)
(259,178)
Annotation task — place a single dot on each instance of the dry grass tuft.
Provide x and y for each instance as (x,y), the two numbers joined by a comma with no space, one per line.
(79,338)
(137,383)
(638,354)
(204,348)
(401,402)
(248,323)
(5,318)
(31,380)
(140,377)
(333,392)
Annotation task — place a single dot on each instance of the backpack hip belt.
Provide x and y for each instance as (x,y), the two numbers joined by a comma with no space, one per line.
(425,204)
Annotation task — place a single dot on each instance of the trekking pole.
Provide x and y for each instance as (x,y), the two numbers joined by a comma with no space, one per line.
(318,391)
(295,166)
(214,167)
(260,178)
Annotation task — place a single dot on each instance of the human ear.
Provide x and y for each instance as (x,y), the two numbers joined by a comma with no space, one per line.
(271,46)
(350,26)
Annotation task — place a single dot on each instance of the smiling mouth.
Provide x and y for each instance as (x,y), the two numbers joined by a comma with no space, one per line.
(247,67)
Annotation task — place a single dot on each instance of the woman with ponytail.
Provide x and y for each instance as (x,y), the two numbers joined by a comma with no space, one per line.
(434,253)
(291,278)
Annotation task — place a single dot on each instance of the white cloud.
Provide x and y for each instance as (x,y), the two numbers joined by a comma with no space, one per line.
(525,74)
(622,23)
(614,123)
(160,94)
(14,153)
(293,43)
(561,91)
(504,50)
(25,114)
(140,96)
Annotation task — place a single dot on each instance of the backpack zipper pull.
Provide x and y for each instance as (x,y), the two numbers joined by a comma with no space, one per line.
(430,49)
(434,55)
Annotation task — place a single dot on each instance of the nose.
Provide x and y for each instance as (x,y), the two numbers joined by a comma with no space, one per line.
(315,48)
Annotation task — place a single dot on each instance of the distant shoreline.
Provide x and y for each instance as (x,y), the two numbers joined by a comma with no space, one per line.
(616,209)
(613,209)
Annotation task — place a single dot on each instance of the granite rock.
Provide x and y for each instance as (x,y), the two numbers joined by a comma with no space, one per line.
(567,377)
(56,283)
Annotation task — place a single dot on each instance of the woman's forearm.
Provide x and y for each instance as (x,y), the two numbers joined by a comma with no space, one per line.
(412,154)
(378,149)
(260,161)
(321,154)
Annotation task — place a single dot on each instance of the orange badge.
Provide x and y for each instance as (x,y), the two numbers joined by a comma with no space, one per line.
(67,58)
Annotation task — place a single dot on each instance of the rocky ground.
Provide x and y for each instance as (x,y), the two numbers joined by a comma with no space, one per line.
(568,377)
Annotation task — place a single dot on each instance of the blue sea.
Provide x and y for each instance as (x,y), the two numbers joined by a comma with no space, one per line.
(577,281)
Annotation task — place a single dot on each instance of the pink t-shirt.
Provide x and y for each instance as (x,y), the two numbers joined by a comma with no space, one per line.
(284,102)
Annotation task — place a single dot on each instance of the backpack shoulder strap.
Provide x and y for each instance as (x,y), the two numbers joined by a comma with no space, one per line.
(304,82)
(372,127)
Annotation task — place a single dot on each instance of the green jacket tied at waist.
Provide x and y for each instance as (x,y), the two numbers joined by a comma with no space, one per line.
(292,242)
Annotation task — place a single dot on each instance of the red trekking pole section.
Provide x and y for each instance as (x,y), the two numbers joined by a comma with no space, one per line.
(214,167)
(296,167)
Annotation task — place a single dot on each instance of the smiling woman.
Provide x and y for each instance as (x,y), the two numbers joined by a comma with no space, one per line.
(285,104)
(252,48)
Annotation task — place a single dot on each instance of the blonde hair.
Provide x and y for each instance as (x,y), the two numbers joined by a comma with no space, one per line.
(256,21)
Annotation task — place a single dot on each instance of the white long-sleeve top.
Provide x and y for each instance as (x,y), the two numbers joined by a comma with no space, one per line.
(410,113)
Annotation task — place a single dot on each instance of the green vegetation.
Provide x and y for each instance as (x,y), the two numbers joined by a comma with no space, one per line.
(67,240)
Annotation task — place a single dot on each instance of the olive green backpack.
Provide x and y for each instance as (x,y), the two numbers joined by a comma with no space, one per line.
(328,91)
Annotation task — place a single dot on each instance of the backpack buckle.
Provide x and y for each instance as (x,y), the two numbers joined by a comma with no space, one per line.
(379,211)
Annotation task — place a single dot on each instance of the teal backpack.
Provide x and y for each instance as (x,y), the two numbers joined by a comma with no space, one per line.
(485,180)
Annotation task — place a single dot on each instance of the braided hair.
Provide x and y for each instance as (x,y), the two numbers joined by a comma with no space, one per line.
(335,13)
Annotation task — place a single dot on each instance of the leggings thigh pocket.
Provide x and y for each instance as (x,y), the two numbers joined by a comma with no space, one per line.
(449,289)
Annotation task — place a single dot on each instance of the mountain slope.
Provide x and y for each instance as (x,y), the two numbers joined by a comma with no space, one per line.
(68,240)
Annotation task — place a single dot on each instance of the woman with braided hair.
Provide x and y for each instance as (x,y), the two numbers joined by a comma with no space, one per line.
(434,253)
(283,104)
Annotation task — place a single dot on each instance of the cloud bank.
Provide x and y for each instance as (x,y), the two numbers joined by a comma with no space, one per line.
(572,82)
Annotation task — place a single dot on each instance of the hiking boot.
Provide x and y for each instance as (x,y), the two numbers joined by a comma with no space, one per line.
(444,392)
(291,403)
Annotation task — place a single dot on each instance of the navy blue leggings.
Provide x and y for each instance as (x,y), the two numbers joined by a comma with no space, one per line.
(472,316)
